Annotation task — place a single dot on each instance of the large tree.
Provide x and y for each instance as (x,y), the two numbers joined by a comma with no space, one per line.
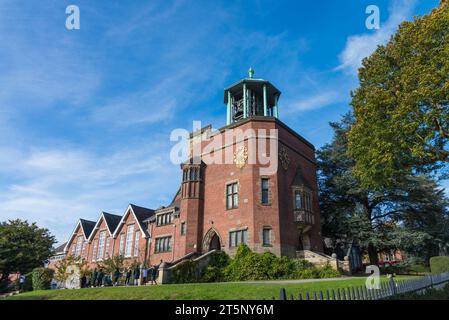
(402,103)
(409,214)
(23,247)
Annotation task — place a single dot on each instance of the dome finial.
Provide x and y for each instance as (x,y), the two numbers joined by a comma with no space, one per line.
(251,72)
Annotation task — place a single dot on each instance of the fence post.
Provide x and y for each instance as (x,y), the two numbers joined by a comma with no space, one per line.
(282,294)
(327,294)
(392,286)
(300,296)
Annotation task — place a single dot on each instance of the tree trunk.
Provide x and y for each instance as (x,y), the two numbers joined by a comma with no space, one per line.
(372,253)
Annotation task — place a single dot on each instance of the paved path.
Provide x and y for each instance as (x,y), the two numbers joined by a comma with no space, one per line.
(294,281)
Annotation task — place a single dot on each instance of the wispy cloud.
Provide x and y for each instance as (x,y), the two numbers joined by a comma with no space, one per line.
(362,45)
(314,102)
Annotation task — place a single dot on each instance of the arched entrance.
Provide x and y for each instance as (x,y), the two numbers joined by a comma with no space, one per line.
(211,241)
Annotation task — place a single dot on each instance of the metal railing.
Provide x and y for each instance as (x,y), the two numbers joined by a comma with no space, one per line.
(386,289)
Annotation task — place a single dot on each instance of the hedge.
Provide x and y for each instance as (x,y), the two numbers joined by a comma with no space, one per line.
(42,278)
(439,264)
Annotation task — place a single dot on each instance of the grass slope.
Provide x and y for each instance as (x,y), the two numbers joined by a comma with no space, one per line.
(197,291)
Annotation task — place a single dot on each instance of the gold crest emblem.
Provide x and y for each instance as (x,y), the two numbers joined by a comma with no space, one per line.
(240,157)
(283,156)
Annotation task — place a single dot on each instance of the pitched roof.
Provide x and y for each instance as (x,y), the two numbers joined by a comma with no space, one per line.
(60,248)
(142,214)
(300,180)
(87,226)
(112,221)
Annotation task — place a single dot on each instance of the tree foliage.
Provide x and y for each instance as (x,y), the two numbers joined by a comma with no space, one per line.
(402,104)
(410,214)
(23,247)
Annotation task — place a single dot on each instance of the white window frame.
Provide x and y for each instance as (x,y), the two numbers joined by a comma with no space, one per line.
(108,244)
(129,240)
(79,244)
(94,251)
(101,245)
(136,243)
(122,244)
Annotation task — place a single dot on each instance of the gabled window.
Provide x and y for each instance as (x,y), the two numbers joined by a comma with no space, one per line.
(122,244)
(79,244)
(83,250)
(108,243)
(94,252)
(136,243)
(101,243)
(232,195)
(129,240)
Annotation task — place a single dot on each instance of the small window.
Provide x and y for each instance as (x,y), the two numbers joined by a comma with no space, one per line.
(232,196)
(265,185)
(183,228)
(266,236)
(298,200)
(238,237)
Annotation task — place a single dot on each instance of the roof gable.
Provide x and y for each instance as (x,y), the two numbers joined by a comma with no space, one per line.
(140,214)
(111,221)
(86,226)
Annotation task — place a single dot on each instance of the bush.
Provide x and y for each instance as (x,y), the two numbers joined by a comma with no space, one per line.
(214,272)
(301,264)
(439,264)
(41,278)
(185,272)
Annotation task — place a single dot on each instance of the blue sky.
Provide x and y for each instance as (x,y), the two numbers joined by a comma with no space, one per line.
(85,115)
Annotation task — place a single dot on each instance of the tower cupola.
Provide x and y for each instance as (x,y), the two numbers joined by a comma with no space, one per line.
(251,97)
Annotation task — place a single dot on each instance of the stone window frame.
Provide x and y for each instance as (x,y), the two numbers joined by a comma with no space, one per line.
(235,230)
(269,202)
(170,213)
(232,182)
(270,229)
(157,241)
(183,228)
(305,193)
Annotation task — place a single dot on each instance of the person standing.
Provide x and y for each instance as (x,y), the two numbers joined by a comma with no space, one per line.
(154,274)
(94,278)
(128,276)
(144,275)
(116,277)
(83,281)
(100,278)
(136,275)
(22,279)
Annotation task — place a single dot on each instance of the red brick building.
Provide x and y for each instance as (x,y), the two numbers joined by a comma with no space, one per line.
(227,201)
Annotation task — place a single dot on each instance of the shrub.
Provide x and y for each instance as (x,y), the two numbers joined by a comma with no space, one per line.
(439,264)
(301,264)
(327,272)
(42,278)
(214,272)
(185,272)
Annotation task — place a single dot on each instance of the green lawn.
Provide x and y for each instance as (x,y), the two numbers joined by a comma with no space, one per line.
(212,291)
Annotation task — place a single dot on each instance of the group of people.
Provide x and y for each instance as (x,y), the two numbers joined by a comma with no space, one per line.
(137,275)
